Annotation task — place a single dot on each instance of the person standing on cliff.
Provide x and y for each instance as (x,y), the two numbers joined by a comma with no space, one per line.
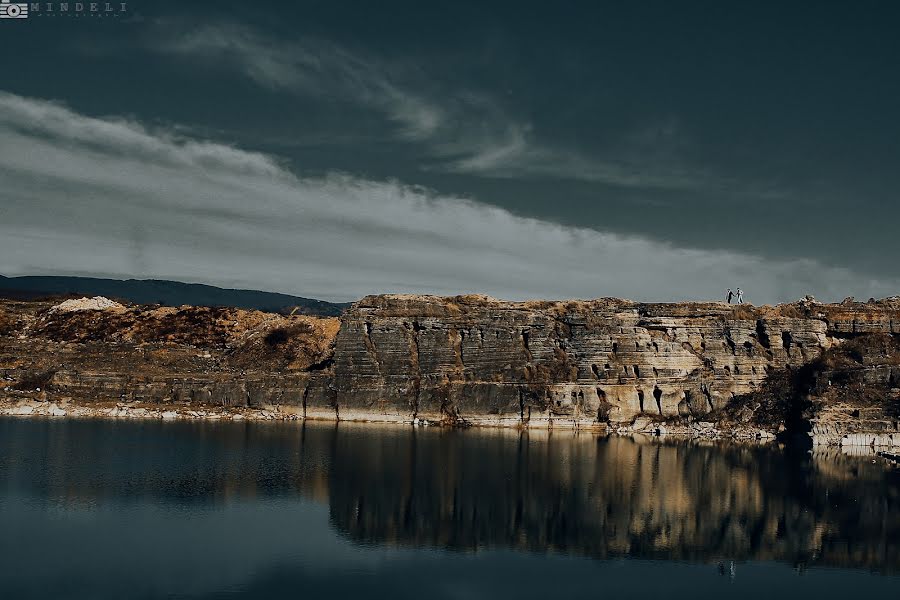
(740,296)
(729,295)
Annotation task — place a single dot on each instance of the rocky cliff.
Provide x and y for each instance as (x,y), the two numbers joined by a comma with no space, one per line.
(475,360)
(149,357)
(580,364)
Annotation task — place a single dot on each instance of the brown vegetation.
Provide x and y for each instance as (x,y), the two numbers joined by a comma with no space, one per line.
(743,312)
(7,323)
(792,396)
(34,381)
(197,326)
(201,327)
(302,343)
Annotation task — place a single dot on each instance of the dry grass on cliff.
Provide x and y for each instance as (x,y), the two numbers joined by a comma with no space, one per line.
(301,343)
(749,312)
(202,327)
(743,312)
(197,326)
(7,323)
(780,399)
(862,351)
(793,311)
(35,381)
(249,338)
(838,374)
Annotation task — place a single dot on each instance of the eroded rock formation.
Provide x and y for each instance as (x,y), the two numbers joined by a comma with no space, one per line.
(483,361)
(460,360)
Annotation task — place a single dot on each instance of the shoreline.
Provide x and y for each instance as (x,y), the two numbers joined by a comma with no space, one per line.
(648,432)
(30,407)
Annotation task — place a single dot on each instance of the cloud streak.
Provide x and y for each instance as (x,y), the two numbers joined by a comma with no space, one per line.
(312,67)
(465,132)
(514,155)
(111,197)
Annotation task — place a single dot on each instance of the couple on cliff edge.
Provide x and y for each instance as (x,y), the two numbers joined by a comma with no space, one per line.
(729,296)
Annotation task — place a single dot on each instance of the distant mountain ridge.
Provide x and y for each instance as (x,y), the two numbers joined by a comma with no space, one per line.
(168,293)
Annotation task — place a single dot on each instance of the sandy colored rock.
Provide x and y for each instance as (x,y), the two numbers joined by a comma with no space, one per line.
(577,363)
(463,360)
(79,304)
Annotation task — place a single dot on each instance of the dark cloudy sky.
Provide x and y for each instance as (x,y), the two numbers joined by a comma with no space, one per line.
(652,150)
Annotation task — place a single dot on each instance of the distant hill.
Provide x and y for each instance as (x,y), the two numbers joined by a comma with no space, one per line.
(167,293)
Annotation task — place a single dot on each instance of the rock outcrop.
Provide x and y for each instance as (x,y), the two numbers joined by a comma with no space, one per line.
(694,367)
(146,357)
(580,363)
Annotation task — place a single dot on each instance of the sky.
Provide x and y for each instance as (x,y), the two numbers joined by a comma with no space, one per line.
(650,150)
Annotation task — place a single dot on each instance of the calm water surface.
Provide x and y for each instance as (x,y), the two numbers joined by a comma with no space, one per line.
(119,509)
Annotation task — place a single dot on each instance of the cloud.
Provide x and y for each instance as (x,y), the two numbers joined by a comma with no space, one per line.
(462,131)
(311,67)
(111,197)
(514,155)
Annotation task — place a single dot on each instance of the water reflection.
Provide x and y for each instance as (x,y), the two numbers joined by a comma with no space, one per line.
(473,490)
(605,497)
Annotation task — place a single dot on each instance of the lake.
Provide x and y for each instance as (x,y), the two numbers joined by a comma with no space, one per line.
(150,509)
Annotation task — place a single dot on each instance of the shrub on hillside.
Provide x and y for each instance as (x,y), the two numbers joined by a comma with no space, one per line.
(7,324)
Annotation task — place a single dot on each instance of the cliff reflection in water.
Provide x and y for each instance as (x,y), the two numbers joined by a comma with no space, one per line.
(606,497)
(566,493)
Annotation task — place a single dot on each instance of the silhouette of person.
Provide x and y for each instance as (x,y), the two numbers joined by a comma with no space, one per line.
(729,295)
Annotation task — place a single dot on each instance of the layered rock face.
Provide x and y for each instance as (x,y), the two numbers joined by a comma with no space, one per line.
(582,363)
(472,360)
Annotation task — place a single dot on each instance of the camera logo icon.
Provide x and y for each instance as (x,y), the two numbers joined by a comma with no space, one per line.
(13,11)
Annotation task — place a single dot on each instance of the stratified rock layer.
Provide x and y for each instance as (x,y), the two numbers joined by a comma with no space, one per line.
(458,360)
(579,363)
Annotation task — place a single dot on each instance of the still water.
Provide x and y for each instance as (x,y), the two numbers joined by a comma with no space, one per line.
(130,509)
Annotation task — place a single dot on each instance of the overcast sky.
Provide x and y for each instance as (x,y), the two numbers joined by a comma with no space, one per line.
(335,149)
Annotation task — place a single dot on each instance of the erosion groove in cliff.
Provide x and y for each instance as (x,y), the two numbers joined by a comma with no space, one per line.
(459,360)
